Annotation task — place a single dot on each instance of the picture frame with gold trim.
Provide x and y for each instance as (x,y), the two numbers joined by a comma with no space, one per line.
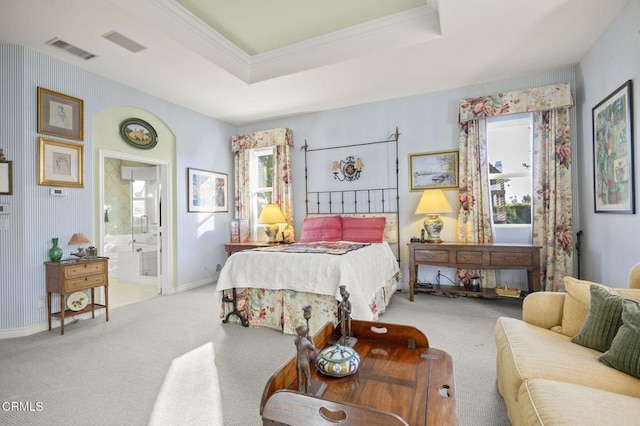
(60,163)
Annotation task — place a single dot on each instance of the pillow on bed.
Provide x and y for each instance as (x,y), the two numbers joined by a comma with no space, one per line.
(363,229)
(325,228)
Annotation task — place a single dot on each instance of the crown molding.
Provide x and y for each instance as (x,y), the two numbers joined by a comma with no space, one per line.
(401,29)
(418,16)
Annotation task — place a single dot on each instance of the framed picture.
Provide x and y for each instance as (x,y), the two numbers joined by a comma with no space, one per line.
(60,163)
(613,152)
(431,170)
(207,191)
(138,133)
(60,115)
(6,178)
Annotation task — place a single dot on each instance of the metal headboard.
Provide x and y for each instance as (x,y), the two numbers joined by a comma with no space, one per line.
(359,201)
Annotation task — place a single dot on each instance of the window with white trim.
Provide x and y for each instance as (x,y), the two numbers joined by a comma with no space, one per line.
(261,186)
(509,148)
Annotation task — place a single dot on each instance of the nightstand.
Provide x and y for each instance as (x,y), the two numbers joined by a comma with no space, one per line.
(231,248)
(69,276)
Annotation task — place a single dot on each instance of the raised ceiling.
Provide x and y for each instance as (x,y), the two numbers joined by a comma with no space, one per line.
(258,26)
(250,60)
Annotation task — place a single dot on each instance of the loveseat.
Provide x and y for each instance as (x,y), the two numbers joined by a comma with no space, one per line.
(574,358)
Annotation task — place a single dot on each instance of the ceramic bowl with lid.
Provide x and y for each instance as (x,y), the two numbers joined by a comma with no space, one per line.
(338,361)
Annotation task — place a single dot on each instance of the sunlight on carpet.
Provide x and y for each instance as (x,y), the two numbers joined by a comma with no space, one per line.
(122,293)
(190,392)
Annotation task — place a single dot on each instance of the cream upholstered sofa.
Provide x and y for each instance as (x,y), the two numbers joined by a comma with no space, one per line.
(547,379)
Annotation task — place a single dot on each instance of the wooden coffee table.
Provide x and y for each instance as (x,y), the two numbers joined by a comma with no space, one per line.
(401,380)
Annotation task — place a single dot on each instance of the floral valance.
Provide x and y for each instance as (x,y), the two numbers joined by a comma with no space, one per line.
(264,138)
(517,102)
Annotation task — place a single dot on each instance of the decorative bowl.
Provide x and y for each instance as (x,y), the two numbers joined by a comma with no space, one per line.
(338,361)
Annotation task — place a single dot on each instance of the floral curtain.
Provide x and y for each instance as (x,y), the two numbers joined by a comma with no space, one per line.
(552,199)
(474,218)
(282,141)
(552,202)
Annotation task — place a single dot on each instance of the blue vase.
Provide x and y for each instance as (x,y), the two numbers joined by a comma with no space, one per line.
(55,252)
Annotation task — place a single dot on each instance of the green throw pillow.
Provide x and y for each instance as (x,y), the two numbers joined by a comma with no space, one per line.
(624,354)
(603,320)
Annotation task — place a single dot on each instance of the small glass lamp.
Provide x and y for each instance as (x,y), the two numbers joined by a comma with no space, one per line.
(79,239)
(432,203)
(271,216)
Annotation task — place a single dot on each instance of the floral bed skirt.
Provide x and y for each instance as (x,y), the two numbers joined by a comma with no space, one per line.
(282,309)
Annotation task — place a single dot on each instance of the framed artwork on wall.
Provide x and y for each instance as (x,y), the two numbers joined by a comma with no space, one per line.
(207,191)
(6,178)
(60,115)
(613,175)
(433,170)
(138,133)
(60,163)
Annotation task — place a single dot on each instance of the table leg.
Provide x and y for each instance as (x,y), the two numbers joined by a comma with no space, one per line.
(106,301)
(533,278)
(413,276)
(93,306)
(62,311)
(49,307)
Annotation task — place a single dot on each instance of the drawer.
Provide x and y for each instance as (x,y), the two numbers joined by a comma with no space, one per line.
(511,259)
(86,282)
(469,257)
(441,256)
(82,269)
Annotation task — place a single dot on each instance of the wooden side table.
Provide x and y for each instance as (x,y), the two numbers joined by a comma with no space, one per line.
(231,248)
(400,376)
(69,276)
(474,256)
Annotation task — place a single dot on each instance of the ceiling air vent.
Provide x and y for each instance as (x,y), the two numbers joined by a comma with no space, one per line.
(63,45)
(122,41)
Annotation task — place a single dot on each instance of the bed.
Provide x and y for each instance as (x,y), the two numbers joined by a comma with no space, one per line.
(272,284)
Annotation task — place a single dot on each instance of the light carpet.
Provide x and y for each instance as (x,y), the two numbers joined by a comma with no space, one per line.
(111,373)
(190,392)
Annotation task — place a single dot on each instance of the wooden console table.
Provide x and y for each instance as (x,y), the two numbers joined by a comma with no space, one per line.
(474,256)
(69,276)
(400,381)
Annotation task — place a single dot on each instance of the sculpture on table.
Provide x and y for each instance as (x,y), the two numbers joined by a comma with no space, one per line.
(345,324)
(341,359)
(306,351)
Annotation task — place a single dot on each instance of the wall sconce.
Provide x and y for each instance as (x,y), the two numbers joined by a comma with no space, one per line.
(349,169)
(432,203)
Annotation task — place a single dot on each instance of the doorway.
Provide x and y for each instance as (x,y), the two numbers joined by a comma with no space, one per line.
(134,226)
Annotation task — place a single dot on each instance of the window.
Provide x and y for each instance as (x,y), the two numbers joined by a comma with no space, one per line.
(261,185)
(509,147)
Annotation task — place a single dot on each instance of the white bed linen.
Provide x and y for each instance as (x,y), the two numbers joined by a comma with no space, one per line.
(363,272)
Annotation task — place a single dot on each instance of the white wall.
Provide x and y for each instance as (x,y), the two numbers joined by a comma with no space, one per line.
(611,242)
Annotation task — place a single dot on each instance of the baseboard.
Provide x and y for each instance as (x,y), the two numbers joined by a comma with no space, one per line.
(37,328)
(195,284)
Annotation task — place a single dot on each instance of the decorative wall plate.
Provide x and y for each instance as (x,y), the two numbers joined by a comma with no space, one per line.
(77,301)
(138,133)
